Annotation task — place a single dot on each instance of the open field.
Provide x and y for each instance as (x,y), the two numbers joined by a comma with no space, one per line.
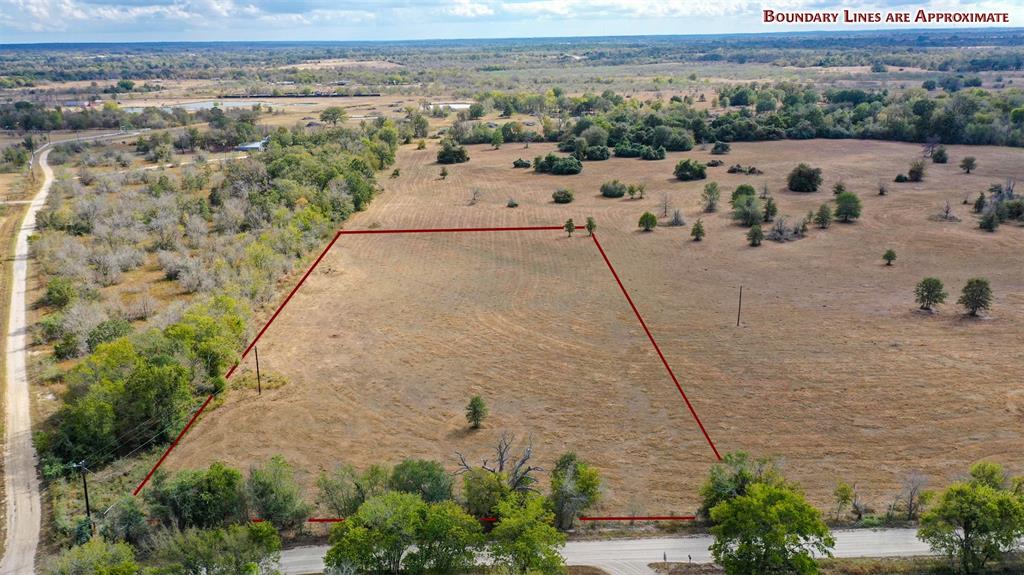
(833,370)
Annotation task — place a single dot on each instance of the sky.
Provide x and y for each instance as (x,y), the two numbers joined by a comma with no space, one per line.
(43,21)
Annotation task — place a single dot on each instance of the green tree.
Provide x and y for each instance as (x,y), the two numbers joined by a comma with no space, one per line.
(155,398)
(804,178)
(569,227)
(823,218)
(447,541)
(497,139)
(939,155)
(197,498)
(575,487)
(476,410)
(345,489)
(741,192)
(770,529)
(483,491)
(525,541)
(844,497)
(648,221)
(974,522)
(591,226)
(733,476)
(968,164)
(379,535)
(95,557)
(929,292)
(710,196)
(237,549)
(333,114)
(747,211)
(452,153)
(976,296)
(274,495)
(889,256)
(847,207)
(697,232)
(422,477)
(755,236)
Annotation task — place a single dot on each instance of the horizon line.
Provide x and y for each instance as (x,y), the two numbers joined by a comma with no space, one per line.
(849,31)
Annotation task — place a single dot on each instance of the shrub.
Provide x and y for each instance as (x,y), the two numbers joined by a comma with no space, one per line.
(648,221)
(804,178)
(824,217)
(709,197)
(108,330)
(714,163)
(720,148)
(697,232)
(939,155)
(512,203)
(562,196)
(60,292)
(690,169)
(989,221)
(613,189)
(901,178)
(452,152)
(916,171)
(677,219)
(755,235)
(649,153)
(598,153)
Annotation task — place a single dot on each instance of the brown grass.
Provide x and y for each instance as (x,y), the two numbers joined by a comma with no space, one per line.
(833,371)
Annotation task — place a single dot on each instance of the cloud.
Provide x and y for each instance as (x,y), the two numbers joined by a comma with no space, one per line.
(469,9)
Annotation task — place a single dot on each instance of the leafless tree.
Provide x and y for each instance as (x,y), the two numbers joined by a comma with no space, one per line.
(517,468)
(912,494)
(666,204)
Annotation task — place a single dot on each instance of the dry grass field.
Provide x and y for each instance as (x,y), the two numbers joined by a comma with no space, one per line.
(833,370)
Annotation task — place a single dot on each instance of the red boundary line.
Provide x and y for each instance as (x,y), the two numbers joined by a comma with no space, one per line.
(664,362)
(288,298)
(323,253)
(495,519)
(174,444)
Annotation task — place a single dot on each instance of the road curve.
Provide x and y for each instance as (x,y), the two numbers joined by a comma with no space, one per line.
(21,484)
(631,556)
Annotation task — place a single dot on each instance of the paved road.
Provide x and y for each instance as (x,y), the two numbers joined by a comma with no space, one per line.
(21,485)
(631,556)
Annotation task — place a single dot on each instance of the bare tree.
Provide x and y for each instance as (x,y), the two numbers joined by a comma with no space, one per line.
(914,494)
(517,468)
(666,204)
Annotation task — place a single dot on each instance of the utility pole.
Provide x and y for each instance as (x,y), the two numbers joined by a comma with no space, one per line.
(259,381)
(85,489)
(739,308)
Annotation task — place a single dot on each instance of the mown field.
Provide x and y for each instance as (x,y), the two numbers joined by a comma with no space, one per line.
(833,369)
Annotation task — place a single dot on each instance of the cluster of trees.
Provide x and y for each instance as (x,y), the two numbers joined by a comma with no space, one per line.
(16,156)
(29,116)
(558,165)
(1002,204)
(234,232)
(766,111)
(976,295)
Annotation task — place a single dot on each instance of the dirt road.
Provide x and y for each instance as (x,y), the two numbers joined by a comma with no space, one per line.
(21,485)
